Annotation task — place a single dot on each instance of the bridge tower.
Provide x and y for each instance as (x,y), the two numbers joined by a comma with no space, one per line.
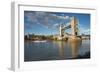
(61,30)
(74,26)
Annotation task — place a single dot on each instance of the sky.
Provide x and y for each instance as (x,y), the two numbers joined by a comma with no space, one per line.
(47,23)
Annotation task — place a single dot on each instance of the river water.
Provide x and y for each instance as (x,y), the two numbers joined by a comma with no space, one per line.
(56,50)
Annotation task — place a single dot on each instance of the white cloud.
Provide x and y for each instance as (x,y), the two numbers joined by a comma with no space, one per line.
(55,25)
(45,18)
(63,17)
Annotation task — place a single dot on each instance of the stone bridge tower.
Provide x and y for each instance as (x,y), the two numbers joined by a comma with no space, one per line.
(74,26)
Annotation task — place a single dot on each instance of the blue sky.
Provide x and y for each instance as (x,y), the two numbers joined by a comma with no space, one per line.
(47,23)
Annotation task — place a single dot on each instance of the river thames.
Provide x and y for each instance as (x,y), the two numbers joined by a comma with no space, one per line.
(56,50)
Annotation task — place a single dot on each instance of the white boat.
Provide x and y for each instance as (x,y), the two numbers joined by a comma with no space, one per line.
(38,41)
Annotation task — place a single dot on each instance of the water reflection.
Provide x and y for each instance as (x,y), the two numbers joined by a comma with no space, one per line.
(61,49)
(72,45)
(75,45)
(57,50)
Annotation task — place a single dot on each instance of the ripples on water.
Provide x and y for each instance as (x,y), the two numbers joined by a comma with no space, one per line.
(56,50)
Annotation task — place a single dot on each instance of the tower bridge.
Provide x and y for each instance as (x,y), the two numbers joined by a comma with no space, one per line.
(74,29)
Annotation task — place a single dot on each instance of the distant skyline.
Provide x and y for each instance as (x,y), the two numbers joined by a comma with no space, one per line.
(46,23)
